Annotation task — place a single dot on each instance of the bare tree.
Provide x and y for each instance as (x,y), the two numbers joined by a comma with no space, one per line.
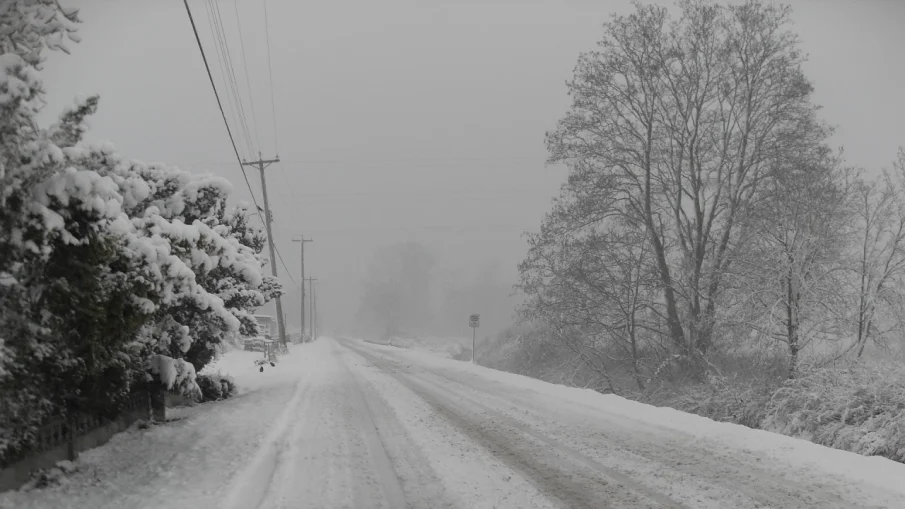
(590,275)
(879,266)
(683,121)
(792,270)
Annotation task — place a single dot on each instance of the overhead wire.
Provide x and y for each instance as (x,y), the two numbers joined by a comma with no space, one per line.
(276,143)
(288,185)
(431,161)
(251,101)
(280,256)
(224,71)
(230,101)
(231,81)
(220,105)
(228,72)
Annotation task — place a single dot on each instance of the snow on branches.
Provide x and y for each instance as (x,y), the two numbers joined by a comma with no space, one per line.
(112,272)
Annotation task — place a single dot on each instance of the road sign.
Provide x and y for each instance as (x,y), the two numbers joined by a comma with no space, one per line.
(474,321)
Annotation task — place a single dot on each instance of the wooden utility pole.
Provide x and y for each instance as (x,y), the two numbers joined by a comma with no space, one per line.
(311,281)
(261,164)
(301,242)
(314,307)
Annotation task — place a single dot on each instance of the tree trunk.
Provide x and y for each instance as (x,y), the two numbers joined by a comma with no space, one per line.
(673,323)
(792,297)
(635,368)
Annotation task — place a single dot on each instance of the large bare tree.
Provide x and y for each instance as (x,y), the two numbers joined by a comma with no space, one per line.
(683,120)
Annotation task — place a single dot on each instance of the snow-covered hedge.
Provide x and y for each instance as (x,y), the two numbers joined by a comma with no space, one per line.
(859,409)
(113,272)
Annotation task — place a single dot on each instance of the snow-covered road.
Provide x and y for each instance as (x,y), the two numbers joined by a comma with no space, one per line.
(355,425)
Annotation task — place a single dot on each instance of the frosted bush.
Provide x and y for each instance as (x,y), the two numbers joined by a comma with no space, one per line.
(859,409)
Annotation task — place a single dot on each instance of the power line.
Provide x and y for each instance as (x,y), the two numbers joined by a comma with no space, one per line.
(251,101)
(280,195)
(289,187)
(280,256)
(220,105)
(477,194)
(230,73)
(233,82)
(372,160)
(273,108)
(218,49)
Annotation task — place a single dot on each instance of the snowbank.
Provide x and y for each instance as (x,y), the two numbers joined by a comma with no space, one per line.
(872,470)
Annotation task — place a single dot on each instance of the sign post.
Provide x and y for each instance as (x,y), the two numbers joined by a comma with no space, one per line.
(474,321)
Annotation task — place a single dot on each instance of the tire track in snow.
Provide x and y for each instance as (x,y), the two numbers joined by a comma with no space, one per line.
(251,484)
(439,465)
(572,454)
(730,474)
(336,454)
(566,475)
(389,480)
(748,479)
(418,483)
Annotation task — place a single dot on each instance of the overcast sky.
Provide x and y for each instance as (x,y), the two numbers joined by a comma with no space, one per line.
(421,120)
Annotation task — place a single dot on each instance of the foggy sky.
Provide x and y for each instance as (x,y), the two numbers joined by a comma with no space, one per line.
(413,120)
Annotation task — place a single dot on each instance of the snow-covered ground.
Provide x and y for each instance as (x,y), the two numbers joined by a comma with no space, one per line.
(352,424)
(449,347)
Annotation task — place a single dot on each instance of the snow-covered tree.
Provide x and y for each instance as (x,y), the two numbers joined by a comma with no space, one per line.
(112,272)
(28,231)
(683,118)
(789,278)
(878,261)
(213,252)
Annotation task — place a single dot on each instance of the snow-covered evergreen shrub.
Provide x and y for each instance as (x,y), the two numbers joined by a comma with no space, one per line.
(53,476)
(215,387)
(859,409)
(113,272)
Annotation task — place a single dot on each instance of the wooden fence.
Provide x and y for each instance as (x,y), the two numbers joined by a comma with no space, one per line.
(62,439)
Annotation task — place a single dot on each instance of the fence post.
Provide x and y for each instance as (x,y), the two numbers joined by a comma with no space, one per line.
(71,452)
(146,405)
(158,402)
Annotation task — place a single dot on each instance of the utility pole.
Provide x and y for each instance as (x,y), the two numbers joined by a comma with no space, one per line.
(314,304)
(261,164)
(311,281)
(301,242)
